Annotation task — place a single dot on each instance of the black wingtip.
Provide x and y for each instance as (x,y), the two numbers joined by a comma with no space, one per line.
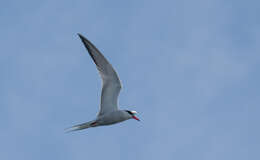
(80,36)
(84,39)
(87,44)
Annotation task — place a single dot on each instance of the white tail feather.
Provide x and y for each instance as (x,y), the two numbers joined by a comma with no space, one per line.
(80,126)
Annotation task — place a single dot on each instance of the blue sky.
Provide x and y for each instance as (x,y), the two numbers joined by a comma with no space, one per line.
(190,68)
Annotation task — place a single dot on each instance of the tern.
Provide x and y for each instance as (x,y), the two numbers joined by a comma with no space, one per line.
(111,86)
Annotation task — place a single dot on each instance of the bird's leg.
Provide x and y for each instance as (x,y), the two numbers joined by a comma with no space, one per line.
(93,124)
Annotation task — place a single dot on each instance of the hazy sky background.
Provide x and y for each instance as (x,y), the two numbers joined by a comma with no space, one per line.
(190,69)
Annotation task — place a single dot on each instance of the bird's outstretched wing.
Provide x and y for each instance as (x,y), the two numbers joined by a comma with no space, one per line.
(110,81)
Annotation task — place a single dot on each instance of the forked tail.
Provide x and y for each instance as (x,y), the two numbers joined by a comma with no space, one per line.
(81,126)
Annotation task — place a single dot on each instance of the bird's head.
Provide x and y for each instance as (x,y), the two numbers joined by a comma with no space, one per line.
(132,114)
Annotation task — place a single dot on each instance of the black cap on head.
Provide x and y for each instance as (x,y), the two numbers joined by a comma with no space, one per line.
(129,112)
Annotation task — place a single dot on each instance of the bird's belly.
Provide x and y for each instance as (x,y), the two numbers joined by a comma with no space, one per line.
(110,119)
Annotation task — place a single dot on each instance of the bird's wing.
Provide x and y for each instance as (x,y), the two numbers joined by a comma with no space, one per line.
(110,81)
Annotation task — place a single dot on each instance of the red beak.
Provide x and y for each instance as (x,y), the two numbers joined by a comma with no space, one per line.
(134,117)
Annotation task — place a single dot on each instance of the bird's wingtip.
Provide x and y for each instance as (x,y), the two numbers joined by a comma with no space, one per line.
(81,36)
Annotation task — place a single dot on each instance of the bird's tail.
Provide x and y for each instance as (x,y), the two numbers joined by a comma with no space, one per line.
(81,126)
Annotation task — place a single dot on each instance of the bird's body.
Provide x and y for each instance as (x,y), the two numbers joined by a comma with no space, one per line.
(111,86)
(113,117)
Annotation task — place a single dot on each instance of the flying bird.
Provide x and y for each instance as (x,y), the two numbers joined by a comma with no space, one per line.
(111,86)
